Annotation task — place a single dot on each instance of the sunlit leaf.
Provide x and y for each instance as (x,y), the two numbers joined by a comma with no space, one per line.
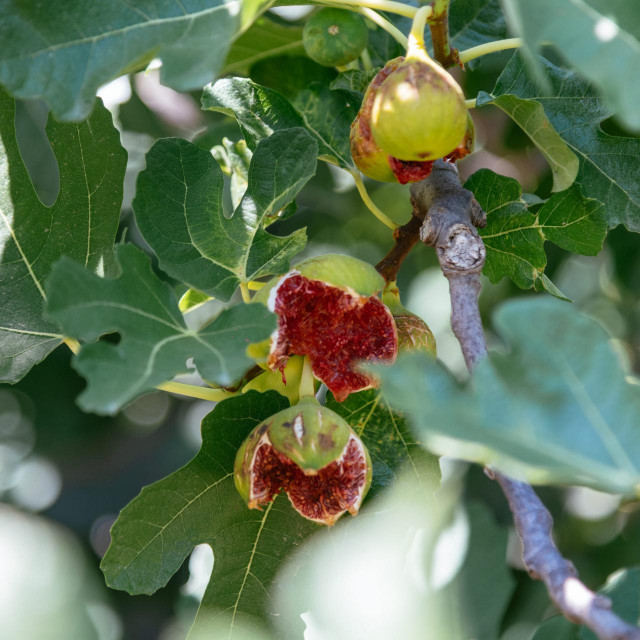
(179,209)
(155,342)
(81,224)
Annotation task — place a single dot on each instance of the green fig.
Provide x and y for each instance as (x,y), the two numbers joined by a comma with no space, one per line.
(419,111)
(334,37)
(312,454)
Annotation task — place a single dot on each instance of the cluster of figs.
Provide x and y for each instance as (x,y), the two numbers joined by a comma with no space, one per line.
(413,111)
(337,311)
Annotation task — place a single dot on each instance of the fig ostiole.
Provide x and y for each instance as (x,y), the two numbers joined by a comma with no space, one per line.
(312,454)
(328,309)
(334,37)
(419,113)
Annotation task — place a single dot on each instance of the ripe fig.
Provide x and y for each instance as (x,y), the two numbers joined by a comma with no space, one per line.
(334,37)
(466,146)
(413,332)
(367,155)
(311,453)
(328,309)
(419,111)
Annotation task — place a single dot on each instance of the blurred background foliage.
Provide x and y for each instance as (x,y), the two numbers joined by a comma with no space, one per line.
(64,475)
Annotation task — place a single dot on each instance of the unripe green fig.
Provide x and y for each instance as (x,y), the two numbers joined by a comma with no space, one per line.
(310,452)
(334,37)
(419,111)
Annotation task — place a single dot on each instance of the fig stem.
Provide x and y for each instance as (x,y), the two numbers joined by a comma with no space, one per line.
(366,198)
(383,23)
(416,35)
(73,344)
(470,104)
(190,390)
(307,386)
(244,290)
(381,5)
(367,65)
(489,47)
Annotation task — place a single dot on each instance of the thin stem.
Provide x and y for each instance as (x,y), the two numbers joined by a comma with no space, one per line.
(73,344)
(443,52)
(366,198)
(381,5)
(307,386)
(367,65)
(470,104)
(383,23)
(416,35)
(489,47)
(193,391)
(244,290)
(254,285)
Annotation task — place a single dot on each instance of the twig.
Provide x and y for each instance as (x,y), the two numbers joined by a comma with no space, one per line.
(405,238)
(443,52)
(451,215)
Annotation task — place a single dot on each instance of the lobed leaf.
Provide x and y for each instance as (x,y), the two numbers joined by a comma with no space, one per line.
(515,235)
(179,210)
(155,342)
(81,224)
(63,51)
(199,504)
(609,165)
(260,111)
(555,408)
(600,38)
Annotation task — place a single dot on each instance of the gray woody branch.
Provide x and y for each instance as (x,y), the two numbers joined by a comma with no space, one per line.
(450,216)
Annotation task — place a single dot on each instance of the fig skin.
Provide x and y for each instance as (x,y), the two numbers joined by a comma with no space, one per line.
(419,111)
(334,37)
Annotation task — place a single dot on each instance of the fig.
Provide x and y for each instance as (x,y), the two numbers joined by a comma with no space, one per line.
(328,310)
(367,154)
(334,37)
(413,332)
(312,454)
(419,111)
(466,146)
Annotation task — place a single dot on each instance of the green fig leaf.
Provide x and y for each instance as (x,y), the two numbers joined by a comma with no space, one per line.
(600,38)
(515,235)
(199,504)
(179,210)
(555,408)
(82,224)
(609,165)
(155,342)
(388,438)
(63,51)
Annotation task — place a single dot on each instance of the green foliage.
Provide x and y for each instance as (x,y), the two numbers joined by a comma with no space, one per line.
(609,165)
(555,408)
(63,51)
(155,342)
(81,224)
(260,111)
(179,210)
(515,235)
(199,504)
(600,38)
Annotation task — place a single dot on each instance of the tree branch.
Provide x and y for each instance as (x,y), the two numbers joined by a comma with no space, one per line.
(451,215)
